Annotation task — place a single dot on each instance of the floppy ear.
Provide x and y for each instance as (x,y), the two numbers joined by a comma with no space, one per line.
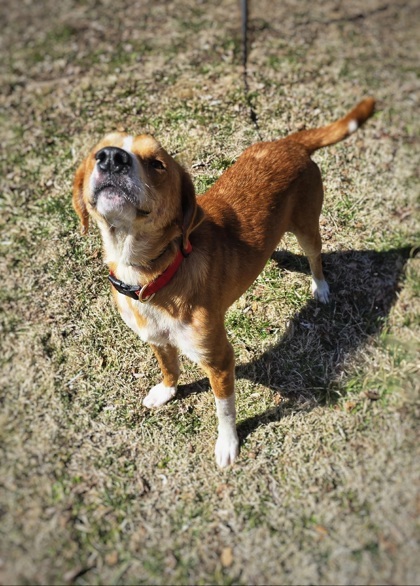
(78,202)
(193,215)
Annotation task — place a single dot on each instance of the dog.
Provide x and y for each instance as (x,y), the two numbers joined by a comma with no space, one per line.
(177,263)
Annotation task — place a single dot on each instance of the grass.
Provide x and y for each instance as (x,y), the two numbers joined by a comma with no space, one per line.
(94,488)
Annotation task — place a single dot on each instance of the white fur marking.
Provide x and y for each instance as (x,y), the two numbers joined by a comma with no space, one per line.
(227,445)
(161,329)
(128,144)
(158,396)
(353,126)
(127,314)
(320,290)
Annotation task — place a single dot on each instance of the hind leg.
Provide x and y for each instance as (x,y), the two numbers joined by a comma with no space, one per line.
(305,226)
(310,241)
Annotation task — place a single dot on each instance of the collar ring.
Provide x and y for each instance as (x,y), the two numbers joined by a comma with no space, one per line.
(141,297)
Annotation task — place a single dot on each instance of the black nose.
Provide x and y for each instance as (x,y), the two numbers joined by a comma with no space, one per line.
(113,160)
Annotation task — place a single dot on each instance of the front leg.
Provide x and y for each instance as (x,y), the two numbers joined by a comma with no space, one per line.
(227,444)
(160,394)
(220,368)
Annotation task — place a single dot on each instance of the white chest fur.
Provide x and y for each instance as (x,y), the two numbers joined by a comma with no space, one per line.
(160,328)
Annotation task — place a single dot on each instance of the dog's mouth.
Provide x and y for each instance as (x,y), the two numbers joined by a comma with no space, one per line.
(117,194)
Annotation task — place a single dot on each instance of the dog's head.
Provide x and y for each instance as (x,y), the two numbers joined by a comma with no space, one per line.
(134,185)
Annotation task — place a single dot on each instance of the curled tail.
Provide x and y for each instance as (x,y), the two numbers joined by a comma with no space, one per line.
(332,133)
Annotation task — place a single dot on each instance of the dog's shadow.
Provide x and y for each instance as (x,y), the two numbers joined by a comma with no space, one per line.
(306,364)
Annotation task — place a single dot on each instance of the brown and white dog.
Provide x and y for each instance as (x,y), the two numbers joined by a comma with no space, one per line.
(177,264)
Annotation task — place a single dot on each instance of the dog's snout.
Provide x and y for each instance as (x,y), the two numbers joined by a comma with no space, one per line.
(113,160)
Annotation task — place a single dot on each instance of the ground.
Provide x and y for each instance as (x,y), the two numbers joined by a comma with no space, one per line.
(96,489)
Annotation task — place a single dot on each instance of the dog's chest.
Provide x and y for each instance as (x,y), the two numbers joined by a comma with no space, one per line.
(157,327)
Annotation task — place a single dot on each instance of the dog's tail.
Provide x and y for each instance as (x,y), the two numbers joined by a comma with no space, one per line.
(321,137)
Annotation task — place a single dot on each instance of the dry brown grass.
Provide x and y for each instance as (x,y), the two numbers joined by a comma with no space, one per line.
(94,488)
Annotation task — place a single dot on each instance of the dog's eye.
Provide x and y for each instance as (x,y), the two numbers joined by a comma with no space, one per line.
(156,164)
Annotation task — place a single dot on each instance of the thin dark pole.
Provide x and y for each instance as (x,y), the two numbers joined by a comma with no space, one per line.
(252,114)
(245,39)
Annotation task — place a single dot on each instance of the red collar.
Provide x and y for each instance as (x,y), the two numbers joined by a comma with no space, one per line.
(145,293)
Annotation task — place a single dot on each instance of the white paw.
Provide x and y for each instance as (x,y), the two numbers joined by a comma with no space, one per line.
(158,396)
(227,449)
(320,290)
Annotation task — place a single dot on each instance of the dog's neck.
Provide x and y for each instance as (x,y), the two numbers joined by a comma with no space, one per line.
(142,254)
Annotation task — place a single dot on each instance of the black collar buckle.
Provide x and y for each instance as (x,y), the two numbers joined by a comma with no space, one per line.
(129,290)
